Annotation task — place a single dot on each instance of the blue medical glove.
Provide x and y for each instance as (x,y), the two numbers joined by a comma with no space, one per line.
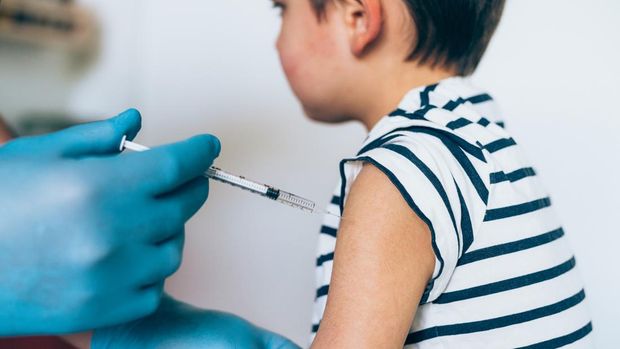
(179,325)
(87,235)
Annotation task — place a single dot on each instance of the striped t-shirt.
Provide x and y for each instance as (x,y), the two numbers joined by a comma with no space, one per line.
(504,275)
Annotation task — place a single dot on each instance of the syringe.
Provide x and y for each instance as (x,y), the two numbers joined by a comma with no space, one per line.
(243,183)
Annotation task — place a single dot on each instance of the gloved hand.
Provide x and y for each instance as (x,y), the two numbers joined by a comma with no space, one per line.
(88,235)
(178,325)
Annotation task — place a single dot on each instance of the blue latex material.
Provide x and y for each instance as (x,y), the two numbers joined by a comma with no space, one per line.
(88,235)
(179,325)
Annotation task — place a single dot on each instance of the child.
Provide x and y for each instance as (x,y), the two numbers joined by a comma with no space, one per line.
(447,238)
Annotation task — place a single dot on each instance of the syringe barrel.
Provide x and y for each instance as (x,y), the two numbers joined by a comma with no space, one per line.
(264,190)
(238,181)
(296,201)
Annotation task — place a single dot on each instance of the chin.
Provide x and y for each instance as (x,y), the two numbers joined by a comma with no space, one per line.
(326,117)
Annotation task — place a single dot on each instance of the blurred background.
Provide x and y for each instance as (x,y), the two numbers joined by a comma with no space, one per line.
(194,66)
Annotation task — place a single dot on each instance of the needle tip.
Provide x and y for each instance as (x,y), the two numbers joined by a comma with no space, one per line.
(325,212)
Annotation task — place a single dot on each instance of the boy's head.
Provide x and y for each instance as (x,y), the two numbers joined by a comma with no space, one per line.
(341,55)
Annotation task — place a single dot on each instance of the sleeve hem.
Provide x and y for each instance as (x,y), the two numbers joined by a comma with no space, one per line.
(431,292)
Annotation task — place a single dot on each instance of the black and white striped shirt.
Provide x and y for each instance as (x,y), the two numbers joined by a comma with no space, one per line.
(504,276)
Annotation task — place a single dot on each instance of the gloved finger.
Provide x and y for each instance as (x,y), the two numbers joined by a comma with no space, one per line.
(162,260)
(136,305)
(150,298)
(153,220)
(163,169)
(127,307)
(167,215)
(95,138)
(183,203)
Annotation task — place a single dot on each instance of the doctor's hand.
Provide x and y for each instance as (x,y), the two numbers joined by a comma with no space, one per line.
(87,235)
(179,325)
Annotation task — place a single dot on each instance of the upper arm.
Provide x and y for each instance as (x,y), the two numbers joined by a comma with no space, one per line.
(383,262)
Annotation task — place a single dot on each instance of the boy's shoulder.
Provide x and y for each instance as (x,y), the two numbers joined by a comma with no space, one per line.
(440,148)
(451,121)
(453,110)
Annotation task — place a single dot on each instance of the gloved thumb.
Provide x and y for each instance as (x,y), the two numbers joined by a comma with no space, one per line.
(95,138)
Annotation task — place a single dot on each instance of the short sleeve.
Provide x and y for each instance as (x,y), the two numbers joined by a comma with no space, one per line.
(444,182)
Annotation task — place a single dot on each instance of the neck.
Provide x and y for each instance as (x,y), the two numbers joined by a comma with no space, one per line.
(387,87)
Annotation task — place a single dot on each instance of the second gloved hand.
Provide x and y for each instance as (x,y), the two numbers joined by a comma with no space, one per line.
(179,325)
(88,235)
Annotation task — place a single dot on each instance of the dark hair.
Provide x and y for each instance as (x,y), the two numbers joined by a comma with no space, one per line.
(453,34)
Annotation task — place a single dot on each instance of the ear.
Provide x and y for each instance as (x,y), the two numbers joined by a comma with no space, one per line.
(364,20)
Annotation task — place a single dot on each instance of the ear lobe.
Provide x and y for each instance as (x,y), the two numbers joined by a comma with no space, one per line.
(367,23)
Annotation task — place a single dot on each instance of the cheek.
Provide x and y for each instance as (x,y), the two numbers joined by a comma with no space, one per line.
(288,57)
(294,52)
(306,57)
(315,62)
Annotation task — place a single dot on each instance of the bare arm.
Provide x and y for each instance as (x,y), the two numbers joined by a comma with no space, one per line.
(383,262)
(80,340)
(6,134)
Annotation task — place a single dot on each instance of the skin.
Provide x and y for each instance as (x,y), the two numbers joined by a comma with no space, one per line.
(5,132)
(383,261)
(351,66)
(81,341)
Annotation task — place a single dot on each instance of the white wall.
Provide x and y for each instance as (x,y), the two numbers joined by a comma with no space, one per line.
(198,66)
